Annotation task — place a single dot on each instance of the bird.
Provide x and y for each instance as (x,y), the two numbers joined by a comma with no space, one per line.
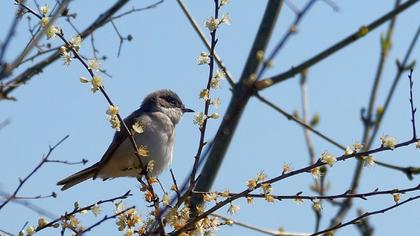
(158,115)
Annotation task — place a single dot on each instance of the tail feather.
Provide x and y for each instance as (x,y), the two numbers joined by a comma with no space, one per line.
(78,177)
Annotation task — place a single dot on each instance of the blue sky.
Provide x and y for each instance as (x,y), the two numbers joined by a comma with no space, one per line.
(163,54)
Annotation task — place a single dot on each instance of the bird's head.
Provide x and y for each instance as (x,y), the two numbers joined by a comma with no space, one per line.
(165,101)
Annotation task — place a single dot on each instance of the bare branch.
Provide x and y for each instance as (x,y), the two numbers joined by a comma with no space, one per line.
(22,181)
(335,48)
(357,219)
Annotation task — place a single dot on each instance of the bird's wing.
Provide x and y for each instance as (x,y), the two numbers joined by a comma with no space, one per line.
(119,138)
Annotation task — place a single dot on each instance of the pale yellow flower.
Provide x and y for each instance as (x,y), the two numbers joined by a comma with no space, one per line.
(219,74)
(76,42)
(119,207)
(216,103)
(166,199)
(199,118)
(328,158)
(212,23)
(267,188)
(96,209)
(316,172)
(418,144)
(357,147)
(204,58)
(368,160)
(129,232)
(42,222)
(137,127)
(316,205)
(66,58)
(225,193)
(44,10)
(298,200)
(348,151)
(215,83)
(96,83)
(261,176)
(286,168)
(388,141)
(209,197)
(204,94)
(44,21)
(94,64)
(233,208)
(225,19)
(249,200)
(269,198)
(52,31)
(115,122)
(63,49)
(143,151)
(112,110)
(30,230)
(74,222)
(251,184)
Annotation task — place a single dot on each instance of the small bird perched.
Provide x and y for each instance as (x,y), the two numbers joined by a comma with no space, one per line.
(158,115)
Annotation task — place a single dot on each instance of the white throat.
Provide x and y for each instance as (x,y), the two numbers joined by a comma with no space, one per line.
(174,114)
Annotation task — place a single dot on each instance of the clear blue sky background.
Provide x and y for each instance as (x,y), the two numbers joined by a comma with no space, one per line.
(163,54)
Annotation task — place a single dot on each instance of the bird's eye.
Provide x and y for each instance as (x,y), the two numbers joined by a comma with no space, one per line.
(170,100)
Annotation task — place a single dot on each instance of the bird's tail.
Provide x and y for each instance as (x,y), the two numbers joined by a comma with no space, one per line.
(78,177)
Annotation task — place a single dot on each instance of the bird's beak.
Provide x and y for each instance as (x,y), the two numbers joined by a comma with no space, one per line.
(187,110)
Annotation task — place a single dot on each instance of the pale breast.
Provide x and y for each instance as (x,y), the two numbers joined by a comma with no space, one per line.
(158,137)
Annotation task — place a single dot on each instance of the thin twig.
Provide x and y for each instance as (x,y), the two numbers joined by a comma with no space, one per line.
(105,219)
(345,195)
(291,31)
(81,209)
(306,169)
(29,205)
(203,127)
(258,229)
(154,5)
(83,162)
(22,181)
(203,38)
(303,124)
(413,110)
(241,94)
(265,83)
(357,219)
(9,69)
(39,67)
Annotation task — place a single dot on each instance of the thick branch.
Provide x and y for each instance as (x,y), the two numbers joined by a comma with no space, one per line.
(242,91)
